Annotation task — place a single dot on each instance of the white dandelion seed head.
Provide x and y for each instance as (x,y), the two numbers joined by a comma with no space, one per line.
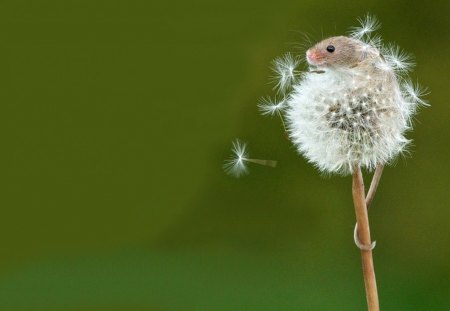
(270,107)
(235,165)
(285,71)
(356,115)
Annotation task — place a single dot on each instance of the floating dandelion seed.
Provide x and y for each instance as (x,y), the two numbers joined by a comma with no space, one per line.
(236,165)
(285,73)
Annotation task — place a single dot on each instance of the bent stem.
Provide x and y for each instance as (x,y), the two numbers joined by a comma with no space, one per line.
(369,198)
(362,220)
(374,184)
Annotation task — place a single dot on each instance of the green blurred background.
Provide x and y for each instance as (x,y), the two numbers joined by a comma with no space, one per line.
(116,117)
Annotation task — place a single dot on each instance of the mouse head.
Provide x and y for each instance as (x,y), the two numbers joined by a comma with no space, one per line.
(335,52)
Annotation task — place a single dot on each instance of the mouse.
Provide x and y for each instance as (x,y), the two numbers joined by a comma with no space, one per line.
(341,52)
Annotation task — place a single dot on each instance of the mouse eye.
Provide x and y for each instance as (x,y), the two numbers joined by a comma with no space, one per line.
(330,48)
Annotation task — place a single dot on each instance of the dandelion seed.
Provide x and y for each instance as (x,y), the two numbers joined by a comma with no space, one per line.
(270,107)
(368,24)
(414,92)
(236,164)
(397,59)
(285,73)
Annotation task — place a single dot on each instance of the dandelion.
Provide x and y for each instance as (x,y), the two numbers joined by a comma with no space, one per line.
(236,164)
(350,112)
(285,71)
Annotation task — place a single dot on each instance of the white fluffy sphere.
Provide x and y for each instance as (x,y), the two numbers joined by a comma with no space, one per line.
(342,118)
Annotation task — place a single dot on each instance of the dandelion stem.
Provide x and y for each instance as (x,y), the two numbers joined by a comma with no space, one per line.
(362,219)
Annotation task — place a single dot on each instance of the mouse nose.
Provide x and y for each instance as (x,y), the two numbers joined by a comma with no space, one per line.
(312,57)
